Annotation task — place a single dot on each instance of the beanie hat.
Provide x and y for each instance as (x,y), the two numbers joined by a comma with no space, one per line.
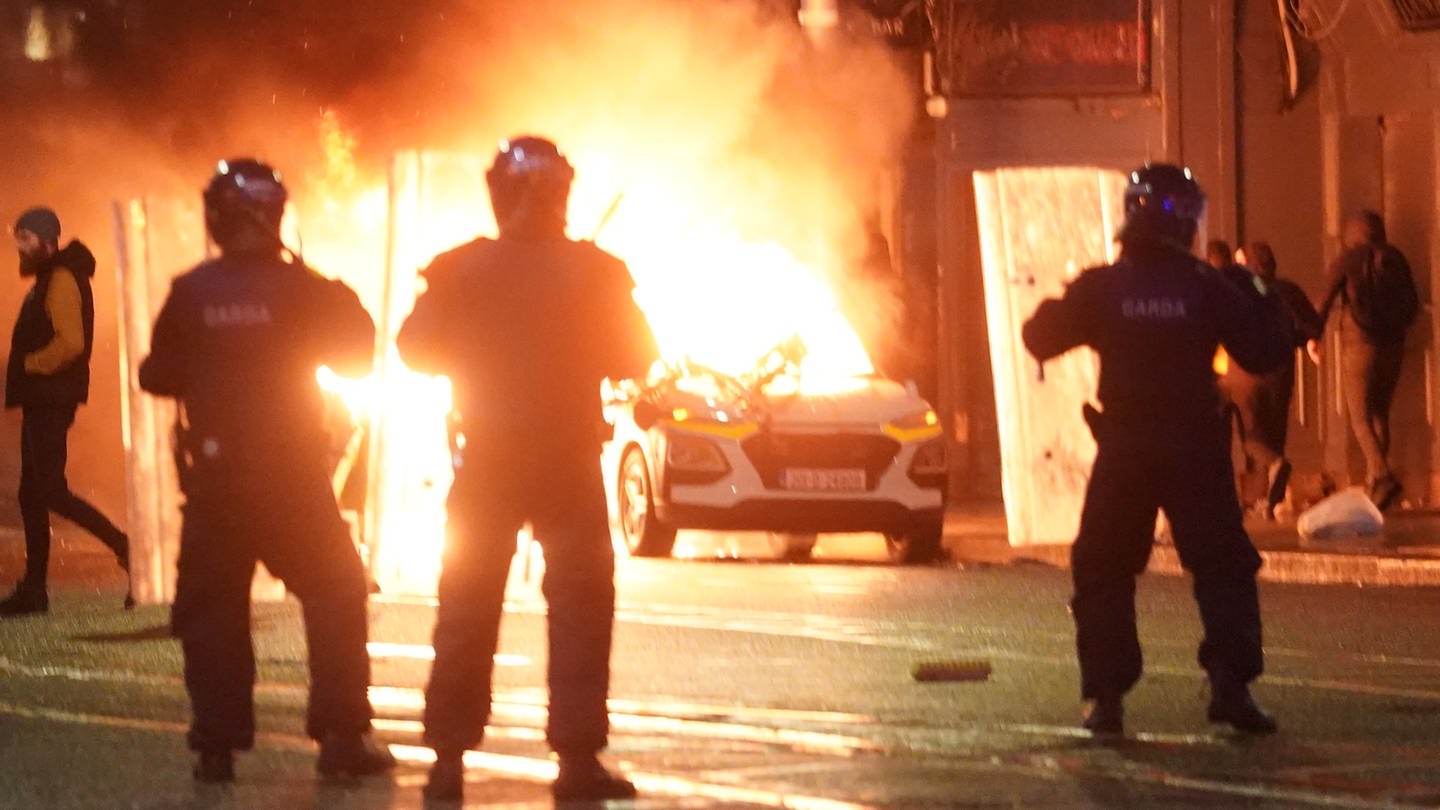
(40,221)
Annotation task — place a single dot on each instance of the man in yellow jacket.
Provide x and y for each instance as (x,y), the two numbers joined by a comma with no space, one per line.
(48,378)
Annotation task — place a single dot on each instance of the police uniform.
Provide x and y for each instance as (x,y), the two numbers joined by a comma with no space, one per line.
(237,344)
(526,326)
(1155,318)
(526,330)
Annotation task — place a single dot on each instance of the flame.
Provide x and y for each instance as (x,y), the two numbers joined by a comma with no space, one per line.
(404,414)
(716,296)
(715,289)
(728,302)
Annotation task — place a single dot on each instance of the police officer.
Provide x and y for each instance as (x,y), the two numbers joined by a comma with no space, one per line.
(1263,401)
(1155,318)
(237,344)
(526,326)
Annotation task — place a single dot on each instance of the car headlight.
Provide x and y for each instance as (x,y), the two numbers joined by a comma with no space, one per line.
(713,422)
(931,462)
(924,424)
(692,454)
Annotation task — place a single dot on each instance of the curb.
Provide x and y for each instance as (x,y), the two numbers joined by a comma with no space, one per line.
(1328,568)
(1291,567)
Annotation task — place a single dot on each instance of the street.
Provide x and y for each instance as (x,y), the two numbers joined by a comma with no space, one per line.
(742,683)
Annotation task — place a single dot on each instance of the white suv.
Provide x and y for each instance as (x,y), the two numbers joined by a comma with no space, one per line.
(699,449)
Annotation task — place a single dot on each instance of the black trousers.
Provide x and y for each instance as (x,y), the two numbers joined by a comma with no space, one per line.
(1133,477)
(1371,374)
(287,519)
(495,493)
(44,430)
(1262,403)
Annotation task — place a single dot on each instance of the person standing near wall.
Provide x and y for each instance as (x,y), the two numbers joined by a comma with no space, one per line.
(48,378)
(1262,401)
(1373,283)
(1217,254)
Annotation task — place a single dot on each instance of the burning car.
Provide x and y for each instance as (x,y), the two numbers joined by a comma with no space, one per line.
(695,448)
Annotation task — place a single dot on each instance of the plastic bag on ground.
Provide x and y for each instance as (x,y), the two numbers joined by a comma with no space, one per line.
(1347,513)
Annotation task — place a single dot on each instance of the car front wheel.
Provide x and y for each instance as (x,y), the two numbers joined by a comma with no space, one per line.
(916,547)
(645,534)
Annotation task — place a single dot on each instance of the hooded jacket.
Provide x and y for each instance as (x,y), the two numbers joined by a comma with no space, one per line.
(43,370)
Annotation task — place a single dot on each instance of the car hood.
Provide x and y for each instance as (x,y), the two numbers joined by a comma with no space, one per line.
(855,401)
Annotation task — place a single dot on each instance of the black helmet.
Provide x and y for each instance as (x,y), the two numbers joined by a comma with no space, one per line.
(529,184)
(1163,203)
(245,195)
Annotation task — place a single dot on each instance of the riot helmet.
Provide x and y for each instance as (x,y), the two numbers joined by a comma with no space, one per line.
(245,199)
(530,186)
(1163,204)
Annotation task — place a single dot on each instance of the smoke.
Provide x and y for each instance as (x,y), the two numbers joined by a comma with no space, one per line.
(718,115)
(708,117)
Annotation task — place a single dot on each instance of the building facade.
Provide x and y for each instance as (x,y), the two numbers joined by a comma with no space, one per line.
(1292,114)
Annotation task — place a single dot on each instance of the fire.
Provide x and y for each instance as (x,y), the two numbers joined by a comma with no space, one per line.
(724,303)
(718,287)
(402,416)
(710,294)
(747,155)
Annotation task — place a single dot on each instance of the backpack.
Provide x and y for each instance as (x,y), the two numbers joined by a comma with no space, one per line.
(1382,295)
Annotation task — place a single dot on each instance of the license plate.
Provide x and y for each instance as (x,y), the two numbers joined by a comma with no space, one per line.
(849,479)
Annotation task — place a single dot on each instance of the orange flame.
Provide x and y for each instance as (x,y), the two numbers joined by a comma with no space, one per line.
(711,294)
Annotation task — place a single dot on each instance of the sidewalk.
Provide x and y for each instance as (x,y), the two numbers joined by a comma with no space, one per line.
(1407,553)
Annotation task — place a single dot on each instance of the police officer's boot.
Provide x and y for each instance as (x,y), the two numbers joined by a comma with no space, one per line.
(351,755)
(447,777)
(215,766)
(583,779)
(1105,716)
(1231,702)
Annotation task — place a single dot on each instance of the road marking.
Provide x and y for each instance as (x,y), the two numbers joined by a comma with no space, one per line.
(795,740)
(535,769)
(1373,690)
(544,770)
(426,652)
(415,652)
(1354,686)
(1151,775)
(1362,658)
(528,705)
